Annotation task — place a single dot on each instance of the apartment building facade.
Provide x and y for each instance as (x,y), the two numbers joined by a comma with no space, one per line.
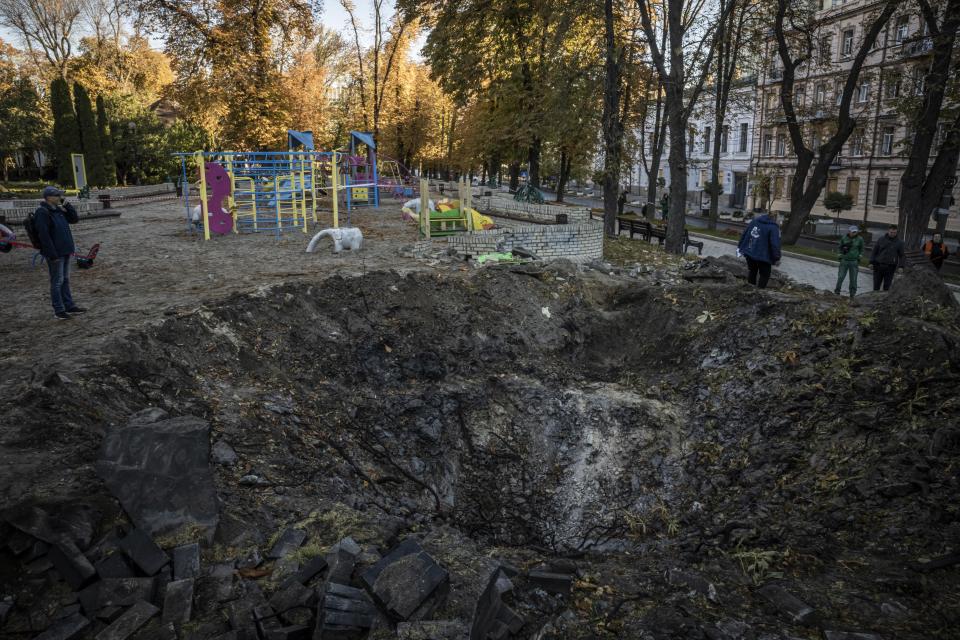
(736,150)
(872,161)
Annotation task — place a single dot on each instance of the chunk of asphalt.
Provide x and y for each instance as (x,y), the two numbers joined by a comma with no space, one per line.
(289,541)
(130,622)
(72,565)
(178,602)
(186,561)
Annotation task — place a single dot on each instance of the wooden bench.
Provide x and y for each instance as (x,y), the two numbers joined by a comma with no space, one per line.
(641,227)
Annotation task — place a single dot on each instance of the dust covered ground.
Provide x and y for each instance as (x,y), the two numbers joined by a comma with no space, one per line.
(686,456)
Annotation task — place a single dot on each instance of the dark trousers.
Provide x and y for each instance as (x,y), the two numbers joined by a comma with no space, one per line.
(883,274)
(754,267)
(60,284)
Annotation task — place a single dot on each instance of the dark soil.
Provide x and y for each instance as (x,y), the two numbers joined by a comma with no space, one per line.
(680,448)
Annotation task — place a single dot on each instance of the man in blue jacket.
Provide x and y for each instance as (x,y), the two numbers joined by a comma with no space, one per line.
(52,220)
(760,243)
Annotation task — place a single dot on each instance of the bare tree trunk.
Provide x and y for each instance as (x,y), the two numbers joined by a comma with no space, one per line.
(804,195)
(565,163)
(533,160)
(514,176)
(612,126)
(920,192)
(656,153)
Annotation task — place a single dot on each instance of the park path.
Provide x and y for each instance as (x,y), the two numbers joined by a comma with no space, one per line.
(816,274)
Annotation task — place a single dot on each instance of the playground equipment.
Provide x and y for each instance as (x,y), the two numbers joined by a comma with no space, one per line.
(346,238)
(252,191)
(449,217)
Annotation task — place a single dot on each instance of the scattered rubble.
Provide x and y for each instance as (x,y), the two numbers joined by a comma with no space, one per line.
(667,453)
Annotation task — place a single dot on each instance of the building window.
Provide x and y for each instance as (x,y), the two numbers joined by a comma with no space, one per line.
(743,137)
(919,81)
(781,145)
(772,99)
(702,180)
(847,43)
(856,143)
(838,90)
(903,28)
(798,95)
(767,144)
(706,140)
(826,44)
(724,138)
(853,189)
(886,142)
(777,187)
(820,95)
(831,186)
(863,92)
(690,144)
(892,89)
(880,192)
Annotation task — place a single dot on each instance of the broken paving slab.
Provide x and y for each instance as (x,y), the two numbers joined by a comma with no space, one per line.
(693,581)
(114,566)
(405,579)
(186,561)
(288,542)
(293,632)
(788,604)
(65,629)
(343,612)
(160,472)
(117,592)
(178,602)
(144,552)
(57,523)
(314,567)
(128,623)
(72,565)
(491,616)
(295,595)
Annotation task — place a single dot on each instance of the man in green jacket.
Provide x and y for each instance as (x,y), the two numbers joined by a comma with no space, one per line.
(851,247)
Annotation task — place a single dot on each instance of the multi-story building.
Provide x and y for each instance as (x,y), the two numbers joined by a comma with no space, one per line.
(872,161)
(736,150)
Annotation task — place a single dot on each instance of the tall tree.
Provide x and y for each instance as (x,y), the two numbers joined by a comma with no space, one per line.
(66,132)
(89,136)
(614,60)
(683,65)
(45,26)
(923,183)
(728,56)
(23,118)
(106,144)
(796,29)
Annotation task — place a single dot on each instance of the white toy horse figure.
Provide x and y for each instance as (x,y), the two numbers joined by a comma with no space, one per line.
(344,238)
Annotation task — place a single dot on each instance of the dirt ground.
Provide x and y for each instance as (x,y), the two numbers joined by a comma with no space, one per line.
(150,266)
(699,459)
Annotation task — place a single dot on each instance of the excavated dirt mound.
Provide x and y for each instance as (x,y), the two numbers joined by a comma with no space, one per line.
(701,456)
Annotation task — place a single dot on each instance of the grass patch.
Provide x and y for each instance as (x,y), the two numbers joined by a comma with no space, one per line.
(624,251)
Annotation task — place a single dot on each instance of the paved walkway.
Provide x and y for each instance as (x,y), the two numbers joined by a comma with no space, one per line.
(821,276)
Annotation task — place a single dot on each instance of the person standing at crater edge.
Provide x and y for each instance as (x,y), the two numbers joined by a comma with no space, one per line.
(52,221)
(760,244)
(851,248)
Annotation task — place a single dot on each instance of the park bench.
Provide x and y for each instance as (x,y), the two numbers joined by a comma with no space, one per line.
(634,226)
(687,243)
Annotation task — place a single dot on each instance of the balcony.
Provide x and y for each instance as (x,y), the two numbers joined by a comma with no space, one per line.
(836,164)
(919,47)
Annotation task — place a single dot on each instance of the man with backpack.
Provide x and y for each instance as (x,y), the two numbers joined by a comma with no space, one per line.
(851,248)
(936,250)
(760,243)
(886,256)
(49,231)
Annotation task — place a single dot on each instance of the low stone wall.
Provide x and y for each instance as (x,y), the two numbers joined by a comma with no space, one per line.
(16,215)
(546,212)
(130,192)
(580,242)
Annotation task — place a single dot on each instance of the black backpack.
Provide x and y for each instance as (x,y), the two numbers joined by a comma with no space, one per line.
(30,224)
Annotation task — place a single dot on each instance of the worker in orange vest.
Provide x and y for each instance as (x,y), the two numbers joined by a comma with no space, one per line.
(936,250)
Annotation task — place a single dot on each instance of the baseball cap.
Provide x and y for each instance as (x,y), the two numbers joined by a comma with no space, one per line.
(51,191)
(854,228)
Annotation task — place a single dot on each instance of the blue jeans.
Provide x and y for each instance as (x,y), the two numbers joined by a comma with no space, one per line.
(60,284)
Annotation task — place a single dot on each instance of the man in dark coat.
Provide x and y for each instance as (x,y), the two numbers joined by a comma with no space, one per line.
(886,256)
(760,243)
(52,220)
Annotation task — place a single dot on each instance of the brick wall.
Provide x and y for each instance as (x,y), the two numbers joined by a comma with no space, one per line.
(580,242)
(547,212)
